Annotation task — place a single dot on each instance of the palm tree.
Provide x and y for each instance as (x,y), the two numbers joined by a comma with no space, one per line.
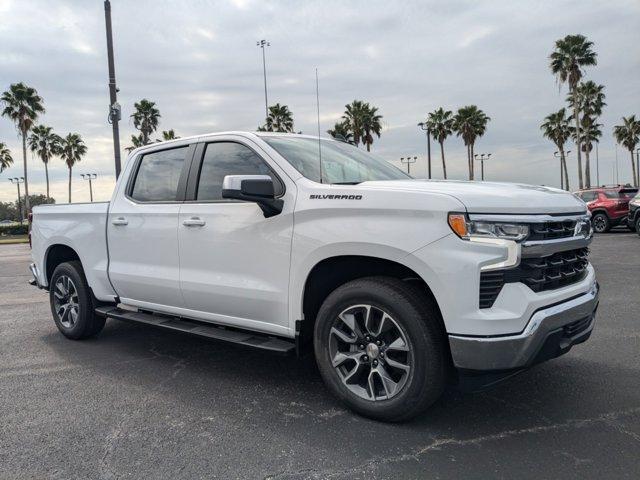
(280,119)
(136,141)
(590,99)
(146,118)
(45,144)
(440,125)
(354,116)
(572,53)
(556,128)
(72,149)
(341,131)
(590,133)
(370,125)
(5,157)
(470,123)
(168,135)
(22,104)
(628,135)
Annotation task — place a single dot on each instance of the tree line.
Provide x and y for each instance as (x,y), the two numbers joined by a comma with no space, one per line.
(585,102)
(361,122)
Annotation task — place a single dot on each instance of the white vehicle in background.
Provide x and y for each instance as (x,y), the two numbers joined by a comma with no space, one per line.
(397,285)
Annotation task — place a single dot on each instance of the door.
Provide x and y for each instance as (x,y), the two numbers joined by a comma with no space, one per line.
(142,230)
(234,262)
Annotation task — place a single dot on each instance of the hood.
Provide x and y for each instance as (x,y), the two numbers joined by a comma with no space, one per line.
(493,197)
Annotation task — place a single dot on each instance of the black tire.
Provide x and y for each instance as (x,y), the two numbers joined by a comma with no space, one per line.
(632,225)
(86,323)
(637,225)
(601,223)
(418,318)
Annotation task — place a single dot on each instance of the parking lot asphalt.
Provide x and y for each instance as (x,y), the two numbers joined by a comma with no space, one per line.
(137,402)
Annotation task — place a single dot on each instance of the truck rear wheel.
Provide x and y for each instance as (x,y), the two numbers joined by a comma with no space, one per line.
(72,302)
(380,348)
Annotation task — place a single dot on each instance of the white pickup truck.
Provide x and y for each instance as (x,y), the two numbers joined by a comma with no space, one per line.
(290,244)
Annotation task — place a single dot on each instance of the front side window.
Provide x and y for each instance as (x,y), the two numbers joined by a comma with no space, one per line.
(229,158)
(158,176)
(341,162)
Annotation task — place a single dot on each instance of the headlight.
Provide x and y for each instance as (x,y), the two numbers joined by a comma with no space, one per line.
(467,229)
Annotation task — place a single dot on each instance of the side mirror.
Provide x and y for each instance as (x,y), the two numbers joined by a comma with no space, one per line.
(253,188)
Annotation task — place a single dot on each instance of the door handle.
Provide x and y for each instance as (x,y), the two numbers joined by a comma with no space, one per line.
(194,222)
(120,221)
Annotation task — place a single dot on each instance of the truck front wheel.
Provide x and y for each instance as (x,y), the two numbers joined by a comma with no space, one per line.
(72,302)
(380,348)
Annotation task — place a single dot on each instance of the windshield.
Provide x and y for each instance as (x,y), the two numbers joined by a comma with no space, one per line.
(341,162)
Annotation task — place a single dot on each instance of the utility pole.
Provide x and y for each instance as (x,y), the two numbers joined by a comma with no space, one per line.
(597,166)
(408,161)
(263,44)
(423,126)
(17,181)
(114,106)
(90,177)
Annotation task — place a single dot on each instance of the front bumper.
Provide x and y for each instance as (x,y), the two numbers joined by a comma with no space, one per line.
(550,332)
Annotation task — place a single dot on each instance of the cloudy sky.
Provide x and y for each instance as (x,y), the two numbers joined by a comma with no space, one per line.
(199,62)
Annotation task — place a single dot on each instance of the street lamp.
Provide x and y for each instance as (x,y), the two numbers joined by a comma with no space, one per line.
(90,177)
(559,156)
(17,181)
(263,44)
(408,161)
(482,159)
(425,127)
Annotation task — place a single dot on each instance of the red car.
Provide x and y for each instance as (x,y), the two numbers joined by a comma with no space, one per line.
(609,206)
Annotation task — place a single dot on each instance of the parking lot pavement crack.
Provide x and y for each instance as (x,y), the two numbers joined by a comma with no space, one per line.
(437,444)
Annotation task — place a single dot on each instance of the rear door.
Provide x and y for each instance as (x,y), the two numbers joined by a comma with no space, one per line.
(142,229)
(234,262)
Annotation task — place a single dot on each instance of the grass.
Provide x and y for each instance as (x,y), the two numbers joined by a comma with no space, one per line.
(10,239)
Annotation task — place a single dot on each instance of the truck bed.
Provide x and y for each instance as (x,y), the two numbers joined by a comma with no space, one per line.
(81,227)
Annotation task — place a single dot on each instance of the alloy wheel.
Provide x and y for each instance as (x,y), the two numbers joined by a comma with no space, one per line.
(65,301)
(370,352)
(599,224)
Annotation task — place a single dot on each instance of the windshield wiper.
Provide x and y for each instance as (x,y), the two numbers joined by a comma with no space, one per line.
(345,183)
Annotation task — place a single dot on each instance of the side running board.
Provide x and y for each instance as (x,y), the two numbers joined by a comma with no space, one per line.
(201,329)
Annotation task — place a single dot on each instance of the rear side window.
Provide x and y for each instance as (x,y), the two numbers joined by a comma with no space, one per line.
(158,176)
(229,158)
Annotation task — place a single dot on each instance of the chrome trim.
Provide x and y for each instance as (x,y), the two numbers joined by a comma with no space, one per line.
(515,351)
(526,218)
(234,182)
(544,248)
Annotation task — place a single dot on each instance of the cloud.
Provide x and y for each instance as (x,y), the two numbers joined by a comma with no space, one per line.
(199,62)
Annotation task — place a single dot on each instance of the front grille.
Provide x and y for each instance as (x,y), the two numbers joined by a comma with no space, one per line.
(539,274)
(551,230)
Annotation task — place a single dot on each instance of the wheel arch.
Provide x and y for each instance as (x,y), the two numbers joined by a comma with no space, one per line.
(330,272)
(55,255)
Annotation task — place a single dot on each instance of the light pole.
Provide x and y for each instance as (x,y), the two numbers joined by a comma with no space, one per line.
(90,177)
(114,107)
(637,164)
(482,159)
(557,155)
(263,44)
(423,126)
(408,161)
(17,181)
